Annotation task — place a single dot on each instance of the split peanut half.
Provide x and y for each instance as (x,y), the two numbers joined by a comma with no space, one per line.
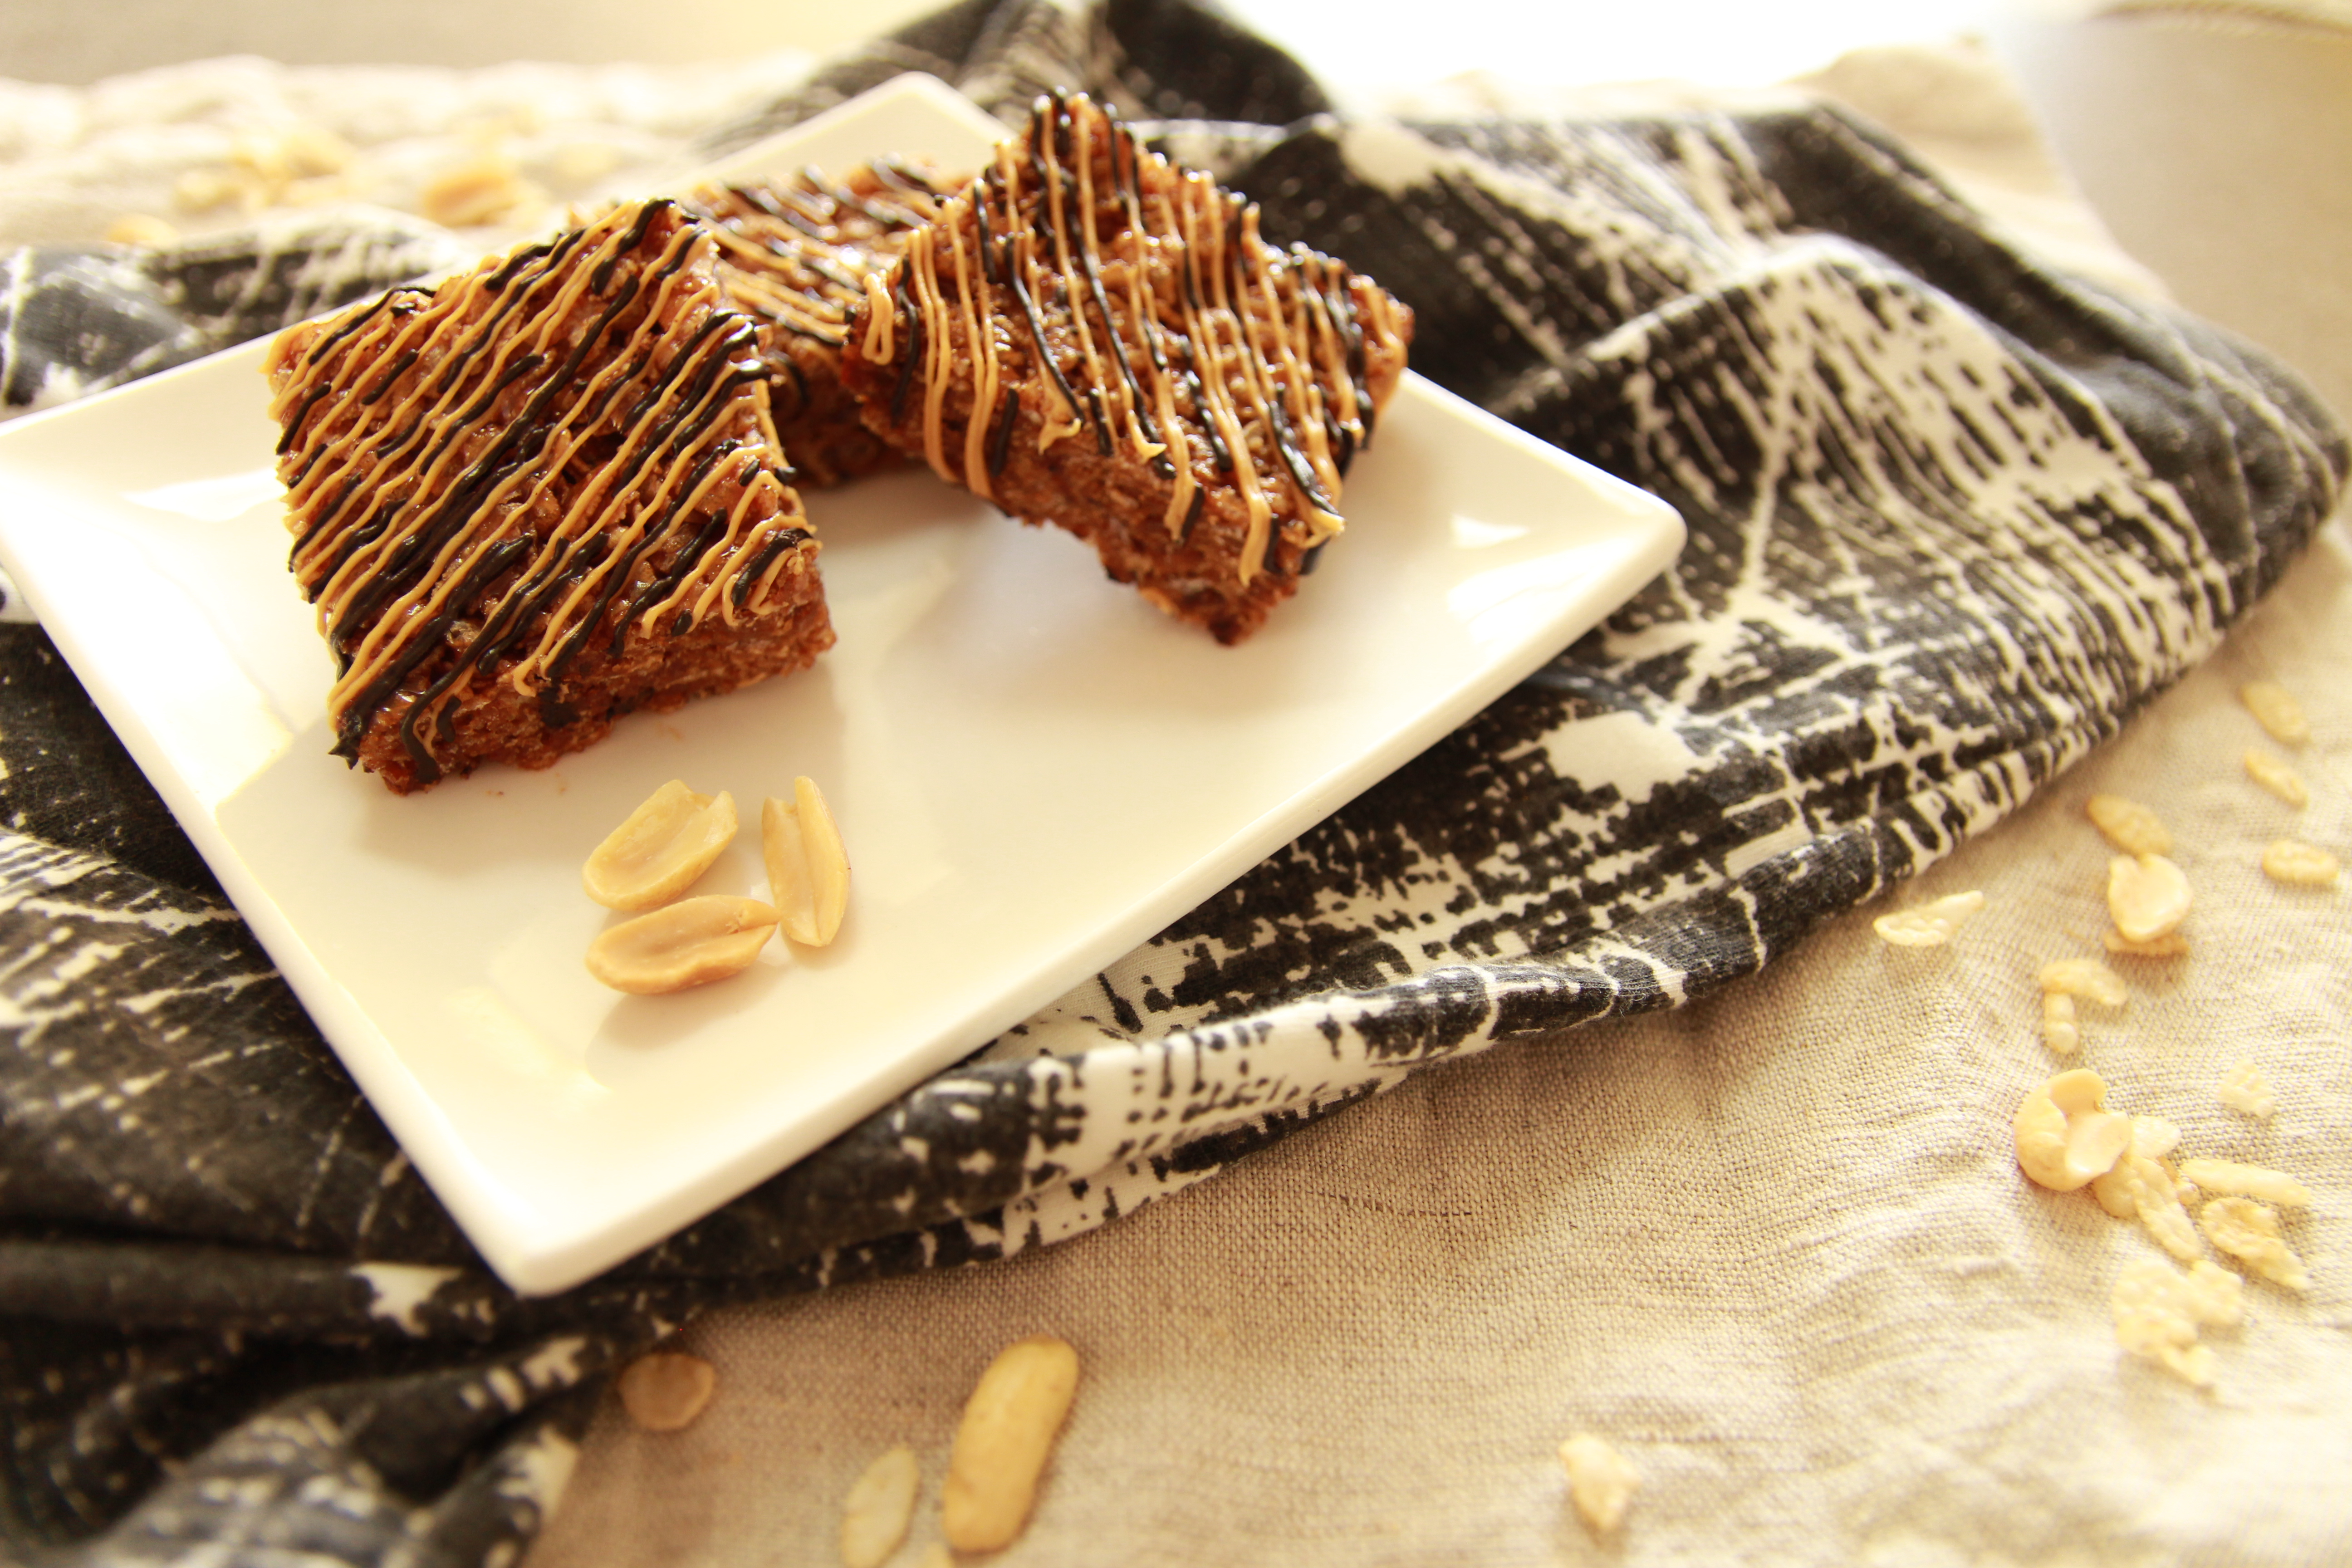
(808,868)
(663,1391)
(691,943)
(2066,1136)
(660,852)
(881,1505)
(1003,1441)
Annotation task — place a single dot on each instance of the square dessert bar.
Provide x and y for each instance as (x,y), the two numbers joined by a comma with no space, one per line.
(1091,336)
(537,497)
(794,254)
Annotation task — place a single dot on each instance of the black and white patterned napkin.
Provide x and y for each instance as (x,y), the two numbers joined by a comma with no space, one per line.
(1954,517)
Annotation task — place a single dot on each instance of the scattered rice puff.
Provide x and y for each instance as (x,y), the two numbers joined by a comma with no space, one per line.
(2248,1181)
(2275,711)
(2153,1137)
(2128,826)
(2244,1087)
(2059,1031)
(2273,774)
(2171,944)
(665,1392)
(2300,865)
(2087,978)
(1600,1481)
(2140,1188)
(142,229)
(2249,1232)
(1929,924)
(2147,896)
(476,193)
(2158,1312)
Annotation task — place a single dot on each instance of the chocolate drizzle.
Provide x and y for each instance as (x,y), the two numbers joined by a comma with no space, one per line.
(581,425)
(1000,440)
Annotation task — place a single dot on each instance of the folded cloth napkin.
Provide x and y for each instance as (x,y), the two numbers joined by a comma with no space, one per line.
(1953,518)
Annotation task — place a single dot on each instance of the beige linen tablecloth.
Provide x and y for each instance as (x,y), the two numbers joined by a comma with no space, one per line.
(1775,1247)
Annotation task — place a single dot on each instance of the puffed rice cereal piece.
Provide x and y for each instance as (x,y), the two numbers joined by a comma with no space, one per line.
(2140,1188)
(2153,1137)
(664,1390)
(2066,1136)
(1929,924)
(1003,1441)
(2158,1312)
(2244,1087)
(2087,978)
(2128,826)
(2275,711)
(2059,1031)
(474,193)
(1600,1482)
(2273,774)
(2216,1298)
(2147,896)
(2300,865)
(2249,1232)
(2249,1181)
(141,229)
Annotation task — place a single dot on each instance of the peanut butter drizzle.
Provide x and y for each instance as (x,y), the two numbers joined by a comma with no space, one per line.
(937,350)
(881,344)
(472,548)
(1215,331)
(1142,244)
(978,329)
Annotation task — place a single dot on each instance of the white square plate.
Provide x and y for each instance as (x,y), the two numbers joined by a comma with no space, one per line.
(1034,770)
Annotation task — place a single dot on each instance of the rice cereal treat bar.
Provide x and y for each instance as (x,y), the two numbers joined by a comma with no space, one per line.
(1092,336)
(793,255)
(537,497)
